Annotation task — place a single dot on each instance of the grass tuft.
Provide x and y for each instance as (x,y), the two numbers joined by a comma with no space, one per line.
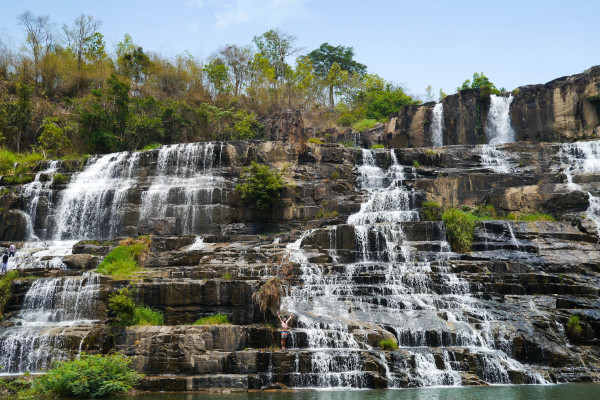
(218,319)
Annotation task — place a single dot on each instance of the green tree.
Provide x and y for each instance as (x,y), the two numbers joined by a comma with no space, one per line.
(53,138)
(17,113)
(324,58)
(262,186)
(480,81)
(237,59)
(79,37)
(217,74)
(132,61)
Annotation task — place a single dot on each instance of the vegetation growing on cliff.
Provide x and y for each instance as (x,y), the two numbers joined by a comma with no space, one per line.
(218,319)
(5,288)
(262,186)
(127,258)
(89,376)
(388,344)
(460,226)
(123,308)
(574,328)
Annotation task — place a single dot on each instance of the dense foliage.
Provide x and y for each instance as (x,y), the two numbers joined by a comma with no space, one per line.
(480,81)
(122,307)
(460,226)
(64,93)
(88,376)
(262,186)
(127,258)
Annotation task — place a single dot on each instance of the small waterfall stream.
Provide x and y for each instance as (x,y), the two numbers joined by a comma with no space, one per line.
(52,310)
(498,130)
(402,283)
(583,158)
(437,125)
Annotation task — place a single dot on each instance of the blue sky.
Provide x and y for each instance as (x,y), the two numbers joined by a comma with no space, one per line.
(413,43)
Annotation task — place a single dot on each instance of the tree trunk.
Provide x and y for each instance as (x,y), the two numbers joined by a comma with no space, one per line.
(331,96)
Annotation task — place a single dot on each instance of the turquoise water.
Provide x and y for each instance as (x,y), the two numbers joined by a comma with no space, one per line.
(577,391)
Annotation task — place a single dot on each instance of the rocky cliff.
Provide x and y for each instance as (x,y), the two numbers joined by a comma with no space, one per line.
(373,270)
(563,110)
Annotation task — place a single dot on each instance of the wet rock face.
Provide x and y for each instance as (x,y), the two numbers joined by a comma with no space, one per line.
(563,110)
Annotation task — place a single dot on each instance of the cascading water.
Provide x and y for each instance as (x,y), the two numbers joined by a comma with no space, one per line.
(52,308)
(583,158)
(437,125)
(398,282)
(37,190)
(498,130)
(185,187)
(90,206)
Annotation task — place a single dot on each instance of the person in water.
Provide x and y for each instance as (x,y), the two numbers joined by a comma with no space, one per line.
(4,263)
(285,328)
(11,250)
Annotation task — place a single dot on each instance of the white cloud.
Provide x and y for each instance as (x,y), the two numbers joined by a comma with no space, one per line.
(271,12)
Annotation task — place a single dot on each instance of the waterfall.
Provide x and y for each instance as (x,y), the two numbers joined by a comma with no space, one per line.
(583,158)
(90,206)
(185,187)
(37,189)
(498,130)
(398,283)
(437,124)
(52,310)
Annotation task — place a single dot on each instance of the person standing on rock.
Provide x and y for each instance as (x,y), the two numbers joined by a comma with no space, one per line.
(4,263)
(285,328)
(12,250)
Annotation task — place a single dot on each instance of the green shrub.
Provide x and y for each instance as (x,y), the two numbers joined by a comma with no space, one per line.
(485,212)
(326,214)
(18,163)
(88,376)
(460,227)
(314,140)
(122,307)
(388,344)
(364,124)
(346,119)
(126,258)
(7,161)
(348,143)
(151,146)
(416,164)
(227,276)
(430,152)
(5,288)
(574,328)
(431,211)
(335,175)
(377,146)
(144,315)
(218,319)
(262,186)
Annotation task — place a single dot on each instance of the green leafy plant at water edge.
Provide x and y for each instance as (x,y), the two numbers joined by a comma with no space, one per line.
(377,146)
(90,376)
(218,319)
(144,315)
(388,344)
(460,228)
(262,186)
(416,164)
(18,163)
(314,140)
(60,178)
(227,276)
